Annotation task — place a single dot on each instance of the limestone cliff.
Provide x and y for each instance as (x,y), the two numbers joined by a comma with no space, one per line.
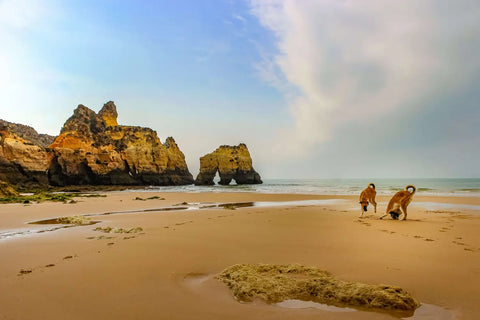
(231,162)
(23,156)
(93,149)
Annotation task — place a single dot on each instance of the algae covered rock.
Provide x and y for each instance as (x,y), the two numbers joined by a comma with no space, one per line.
(276,283)
(78,220)
(93,149)
(231,162)
(6,190)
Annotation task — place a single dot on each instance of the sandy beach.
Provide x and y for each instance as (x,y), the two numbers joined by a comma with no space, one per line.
(167,271)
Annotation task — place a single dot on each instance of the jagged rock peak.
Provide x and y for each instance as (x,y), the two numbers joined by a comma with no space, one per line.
(109,114)
(231,162)
(93,149)
(170,143)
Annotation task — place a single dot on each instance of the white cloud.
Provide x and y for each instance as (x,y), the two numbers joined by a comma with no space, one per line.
(360,60)
(21,13)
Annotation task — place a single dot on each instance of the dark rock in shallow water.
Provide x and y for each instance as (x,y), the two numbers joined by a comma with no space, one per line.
(232,163)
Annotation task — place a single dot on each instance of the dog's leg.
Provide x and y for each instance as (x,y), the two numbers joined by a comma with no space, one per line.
(389,208)
(361,209)
(404,210)
(374,205)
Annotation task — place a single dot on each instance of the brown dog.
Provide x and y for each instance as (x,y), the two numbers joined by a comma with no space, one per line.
(399,202)
(368,195)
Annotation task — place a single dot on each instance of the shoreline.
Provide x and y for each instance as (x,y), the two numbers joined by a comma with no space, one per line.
(434,255)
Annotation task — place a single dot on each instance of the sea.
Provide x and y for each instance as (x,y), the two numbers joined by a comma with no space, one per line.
(429,187)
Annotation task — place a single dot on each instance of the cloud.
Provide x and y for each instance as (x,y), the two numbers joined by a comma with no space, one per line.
(21,14)
(362,61)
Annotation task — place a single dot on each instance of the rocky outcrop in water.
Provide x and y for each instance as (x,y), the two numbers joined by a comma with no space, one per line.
(24,158)
(231,162)
(93,149)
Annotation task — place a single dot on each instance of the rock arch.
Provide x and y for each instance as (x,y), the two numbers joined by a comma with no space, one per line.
(231,162)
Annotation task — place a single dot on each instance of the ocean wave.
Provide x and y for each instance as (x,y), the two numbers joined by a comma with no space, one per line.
(428,187)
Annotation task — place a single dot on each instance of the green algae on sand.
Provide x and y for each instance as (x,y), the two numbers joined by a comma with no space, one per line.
(42,196)
(118,230)
(79,220)
(276,283)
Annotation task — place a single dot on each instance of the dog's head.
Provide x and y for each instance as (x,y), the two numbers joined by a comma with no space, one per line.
(364,204)
(394,215)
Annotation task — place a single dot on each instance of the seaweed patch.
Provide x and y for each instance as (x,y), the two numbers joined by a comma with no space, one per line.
(276,283)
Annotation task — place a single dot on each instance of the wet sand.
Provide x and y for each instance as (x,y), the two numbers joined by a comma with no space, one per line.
(167,270)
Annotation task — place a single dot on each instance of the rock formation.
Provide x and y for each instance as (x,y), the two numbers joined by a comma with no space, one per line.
(6,190)
(93,149)
(231,162)
(23,155)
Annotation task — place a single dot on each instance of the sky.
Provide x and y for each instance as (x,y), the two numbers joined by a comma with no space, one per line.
(315,88)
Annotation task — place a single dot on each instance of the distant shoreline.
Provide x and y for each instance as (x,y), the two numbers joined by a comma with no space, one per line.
(442,187)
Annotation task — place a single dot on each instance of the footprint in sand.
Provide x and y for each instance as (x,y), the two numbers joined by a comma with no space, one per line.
(24,272)
(428,239)
(363,222)
(110,243)
(28,271)
(67,257)
(182,223)
(387,231)
(417,237)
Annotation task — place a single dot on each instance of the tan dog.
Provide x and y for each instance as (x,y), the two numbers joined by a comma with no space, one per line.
(399,202)
(368,195)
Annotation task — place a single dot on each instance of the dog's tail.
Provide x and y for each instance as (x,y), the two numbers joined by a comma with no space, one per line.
(411,186)
(371,185)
